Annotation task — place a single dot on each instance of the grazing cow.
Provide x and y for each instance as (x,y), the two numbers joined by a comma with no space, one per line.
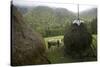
(53,43)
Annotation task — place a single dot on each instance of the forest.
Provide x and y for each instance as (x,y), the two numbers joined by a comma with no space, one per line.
(53,21)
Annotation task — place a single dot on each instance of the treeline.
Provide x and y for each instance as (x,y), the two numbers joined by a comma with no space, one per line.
(52,21)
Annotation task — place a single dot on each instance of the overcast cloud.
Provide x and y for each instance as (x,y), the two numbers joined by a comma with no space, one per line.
(71,7)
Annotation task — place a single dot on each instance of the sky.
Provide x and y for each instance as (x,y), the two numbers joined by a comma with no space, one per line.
(69,6)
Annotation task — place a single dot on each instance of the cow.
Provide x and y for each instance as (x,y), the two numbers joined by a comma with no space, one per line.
(55,42)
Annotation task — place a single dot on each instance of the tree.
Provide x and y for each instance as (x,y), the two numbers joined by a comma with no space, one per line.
(94,26)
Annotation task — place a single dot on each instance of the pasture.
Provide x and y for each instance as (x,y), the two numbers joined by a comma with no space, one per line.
(56,54)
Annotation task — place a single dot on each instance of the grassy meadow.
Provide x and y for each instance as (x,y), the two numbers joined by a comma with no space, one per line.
(56,54)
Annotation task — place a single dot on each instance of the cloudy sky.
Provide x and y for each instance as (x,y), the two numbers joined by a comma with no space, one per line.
(53,3)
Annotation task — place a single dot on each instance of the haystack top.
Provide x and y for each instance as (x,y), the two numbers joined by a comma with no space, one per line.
(78,22)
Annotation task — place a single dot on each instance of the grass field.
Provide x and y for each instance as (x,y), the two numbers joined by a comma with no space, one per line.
(56,55)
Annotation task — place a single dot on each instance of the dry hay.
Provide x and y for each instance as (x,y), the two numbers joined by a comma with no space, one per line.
(28,47)
(77,40)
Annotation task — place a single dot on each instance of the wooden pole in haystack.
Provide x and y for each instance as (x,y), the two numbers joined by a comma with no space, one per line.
(78,11)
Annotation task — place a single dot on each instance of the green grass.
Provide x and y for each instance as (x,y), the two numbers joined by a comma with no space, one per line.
(56,55)
(55,37)
(94,40)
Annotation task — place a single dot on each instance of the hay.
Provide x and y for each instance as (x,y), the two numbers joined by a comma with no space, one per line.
(77,40)
(28,46)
